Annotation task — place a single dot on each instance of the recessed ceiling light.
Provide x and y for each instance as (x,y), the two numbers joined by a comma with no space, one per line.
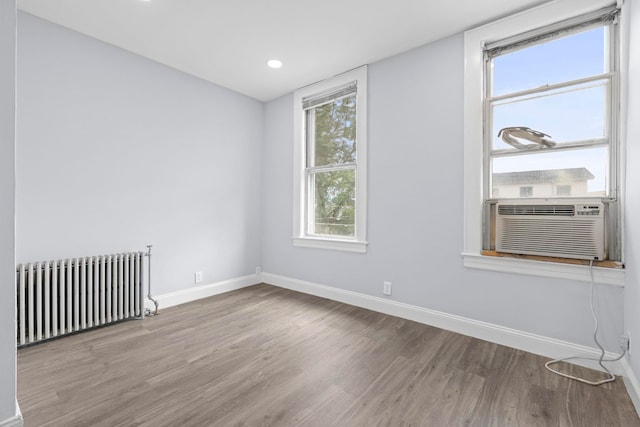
(274,63)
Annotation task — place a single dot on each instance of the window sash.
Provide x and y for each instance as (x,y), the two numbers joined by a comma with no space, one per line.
(608,17)
(311,200)
(567,145)
(309,106)
(310,132)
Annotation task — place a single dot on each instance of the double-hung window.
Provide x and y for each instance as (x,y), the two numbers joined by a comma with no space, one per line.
(541,127)
(330,163)
(550,114)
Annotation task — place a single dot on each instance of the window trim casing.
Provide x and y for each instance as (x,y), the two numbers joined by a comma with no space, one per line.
(474,43)
(357,243)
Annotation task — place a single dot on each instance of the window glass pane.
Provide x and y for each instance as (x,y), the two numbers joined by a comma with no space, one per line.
(565,59)
(569,114)
(581,173)
(334,202)
(335,132)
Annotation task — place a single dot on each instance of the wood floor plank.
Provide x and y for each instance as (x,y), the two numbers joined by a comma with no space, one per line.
(265,356)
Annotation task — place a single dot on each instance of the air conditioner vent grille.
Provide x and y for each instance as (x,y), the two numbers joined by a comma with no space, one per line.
(541,236)
(556,230)
(553,210)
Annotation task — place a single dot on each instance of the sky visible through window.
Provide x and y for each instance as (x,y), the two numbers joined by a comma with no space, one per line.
(568,114)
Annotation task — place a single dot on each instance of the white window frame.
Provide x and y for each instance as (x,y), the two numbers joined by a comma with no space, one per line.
(608,77)
(358,242)
(474,42)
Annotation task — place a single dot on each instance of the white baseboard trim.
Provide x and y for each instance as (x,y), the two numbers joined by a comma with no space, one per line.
(15,421)
(187,295)
(631,383)
(532,343)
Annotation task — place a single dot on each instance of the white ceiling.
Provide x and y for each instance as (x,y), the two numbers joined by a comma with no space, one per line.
(229,41)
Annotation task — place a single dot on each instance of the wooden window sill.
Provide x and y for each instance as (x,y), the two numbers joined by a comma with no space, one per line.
(603,264)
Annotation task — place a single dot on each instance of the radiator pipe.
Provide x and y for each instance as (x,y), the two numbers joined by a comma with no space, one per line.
(155,302)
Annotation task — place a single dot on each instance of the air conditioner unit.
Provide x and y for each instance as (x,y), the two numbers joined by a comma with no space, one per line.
(556,229)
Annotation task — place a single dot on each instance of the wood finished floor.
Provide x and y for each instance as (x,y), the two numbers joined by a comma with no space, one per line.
(265,356)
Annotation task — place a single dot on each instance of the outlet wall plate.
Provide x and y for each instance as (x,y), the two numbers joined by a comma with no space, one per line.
(624,342)
(386,288)
(198,277)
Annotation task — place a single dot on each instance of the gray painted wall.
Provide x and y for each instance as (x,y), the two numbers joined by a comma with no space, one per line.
(632,219)
(415,220)
(116,152)
(7,204)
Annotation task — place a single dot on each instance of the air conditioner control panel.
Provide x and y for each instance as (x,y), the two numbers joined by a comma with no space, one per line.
(588,210)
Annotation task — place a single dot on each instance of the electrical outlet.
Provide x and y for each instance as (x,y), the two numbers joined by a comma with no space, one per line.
(386,288)
(258,270)
(198,277)
(624,342)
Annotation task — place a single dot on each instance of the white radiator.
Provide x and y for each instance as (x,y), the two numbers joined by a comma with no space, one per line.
(55,298)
